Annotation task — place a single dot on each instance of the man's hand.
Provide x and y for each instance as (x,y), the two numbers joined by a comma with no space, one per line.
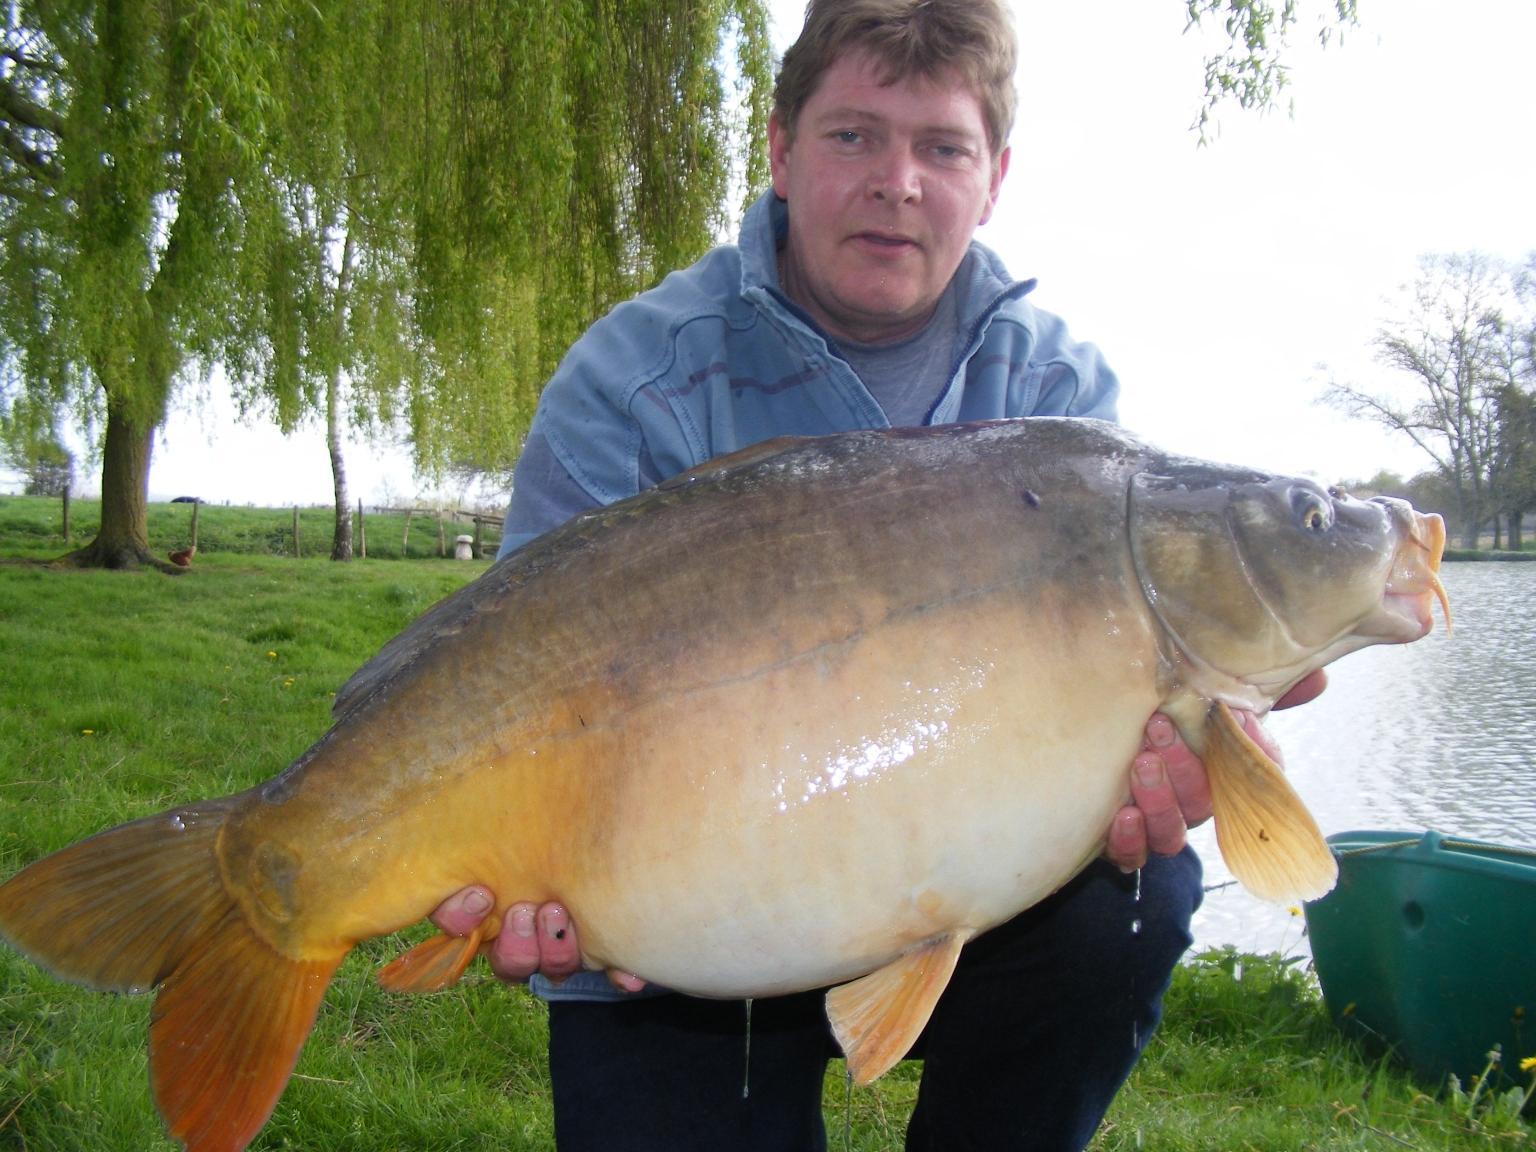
(1170,792)
(533,938)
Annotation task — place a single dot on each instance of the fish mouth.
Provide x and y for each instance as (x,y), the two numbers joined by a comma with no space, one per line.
(1413,582)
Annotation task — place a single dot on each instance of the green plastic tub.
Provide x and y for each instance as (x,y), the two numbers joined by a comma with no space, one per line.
(1428,944)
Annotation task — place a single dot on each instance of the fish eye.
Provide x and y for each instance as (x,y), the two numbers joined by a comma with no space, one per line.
(1312,513)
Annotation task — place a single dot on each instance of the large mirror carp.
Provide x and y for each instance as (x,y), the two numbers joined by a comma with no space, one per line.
(811,715)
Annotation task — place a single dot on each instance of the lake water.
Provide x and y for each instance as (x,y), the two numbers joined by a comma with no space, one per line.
(1439,734)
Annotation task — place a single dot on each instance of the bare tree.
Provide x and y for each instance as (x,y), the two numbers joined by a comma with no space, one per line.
(1452,338)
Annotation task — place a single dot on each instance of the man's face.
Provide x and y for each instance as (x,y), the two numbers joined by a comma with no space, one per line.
(885,185)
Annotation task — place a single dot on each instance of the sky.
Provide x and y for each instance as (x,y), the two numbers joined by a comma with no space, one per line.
(1224,283)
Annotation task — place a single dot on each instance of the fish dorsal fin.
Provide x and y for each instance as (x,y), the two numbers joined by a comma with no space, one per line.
(877,1018)
(436,963)
(1267,836)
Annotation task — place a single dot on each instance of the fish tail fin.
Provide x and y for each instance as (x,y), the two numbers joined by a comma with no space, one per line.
(144,905)
(225,1034)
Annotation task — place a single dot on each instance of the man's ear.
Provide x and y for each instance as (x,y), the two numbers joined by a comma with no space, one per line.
(999,170)
(780,140)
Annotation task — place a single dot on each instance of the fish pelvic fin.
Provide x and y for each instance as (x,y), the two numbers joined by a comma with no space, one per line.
(877,1018)
(1266,835)
(143,905)
(436,963)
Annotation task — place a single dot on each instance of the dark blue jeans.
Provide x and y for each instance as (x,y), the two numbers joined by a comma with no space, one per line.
(1039,1027)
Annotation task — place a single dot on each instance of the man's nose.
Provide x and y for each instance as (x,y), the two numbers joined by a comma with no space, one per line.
(896,178)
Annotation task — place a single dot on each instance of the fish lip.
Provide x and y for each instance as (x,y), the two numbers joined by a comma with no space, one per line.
(1413,581)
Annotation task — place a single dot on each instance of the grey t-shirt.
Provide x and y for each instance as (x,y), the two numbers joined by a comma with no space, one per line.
(906,377)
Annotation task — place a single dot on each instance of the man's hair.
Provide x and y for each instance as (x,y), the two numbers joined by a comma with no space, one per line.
(971,40)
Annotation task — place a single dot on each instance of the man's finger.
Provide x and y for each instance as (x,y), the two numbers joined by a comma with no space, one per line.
(558,954)
(461,913)
(1186,774)
(1126,847)
(514,955)
(1153,792)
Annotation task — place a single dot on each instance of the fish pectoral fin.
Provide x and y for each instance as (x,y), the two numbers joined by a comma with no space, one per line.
(435,963)
(877,1018)
(1267,836)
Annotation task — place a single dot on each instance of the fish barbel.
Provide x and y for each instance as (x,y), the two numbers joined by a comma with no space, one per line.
(813,714)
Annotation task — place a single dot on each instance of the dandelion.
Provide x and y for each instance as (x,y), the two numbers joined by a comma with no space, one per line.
(87,731)
(1528,1064)
(271,655)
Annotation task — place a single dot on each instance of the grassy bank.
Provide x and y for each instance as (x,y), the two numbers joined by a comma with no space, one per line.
(126,692)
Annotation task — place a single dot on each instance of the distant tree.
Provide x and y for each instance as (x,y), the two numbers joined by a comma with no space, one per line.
(1451,340)
(361,207)
(1513,471)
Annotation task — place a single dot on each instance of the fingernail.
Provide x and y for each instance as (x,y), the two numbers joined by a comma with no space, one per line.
(1160,732)
(522,922)
(477,903)
(1149,771)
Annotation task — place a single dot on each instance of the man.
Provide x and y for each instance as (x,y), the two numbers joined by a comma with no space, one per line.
(856,298)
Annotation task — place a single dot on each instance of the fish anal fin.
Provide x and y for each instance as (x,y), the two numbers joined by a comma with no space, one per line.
(1266,835)
(877,1018)
(436,963)
(225,1033)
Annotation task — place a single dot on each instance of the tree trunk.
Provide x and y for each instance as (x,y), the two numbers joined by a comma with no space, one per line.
(341,540)
(1516,531)
(123,538)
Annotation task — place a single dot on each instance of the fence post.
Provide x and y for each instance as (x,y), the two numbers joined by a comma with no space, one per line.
(405,537)
(362,533)
(295,531)
(66,513)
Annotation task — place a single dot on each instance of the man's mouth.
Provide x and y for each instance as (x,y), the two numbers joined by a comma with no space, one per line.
(885,240)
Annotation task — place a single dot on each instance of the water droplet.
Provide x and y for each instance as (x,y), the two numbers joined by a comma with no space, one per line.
(177,824)
(1137,895)
(1136,926)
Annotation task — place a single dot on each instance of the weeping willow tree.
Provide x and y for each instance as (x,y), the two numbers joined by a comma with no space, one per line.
(363,209)
(128,127)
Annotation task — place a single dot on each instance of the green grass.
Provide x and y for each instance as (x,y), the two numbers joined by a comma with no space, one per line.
(33,526)
(123,693)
